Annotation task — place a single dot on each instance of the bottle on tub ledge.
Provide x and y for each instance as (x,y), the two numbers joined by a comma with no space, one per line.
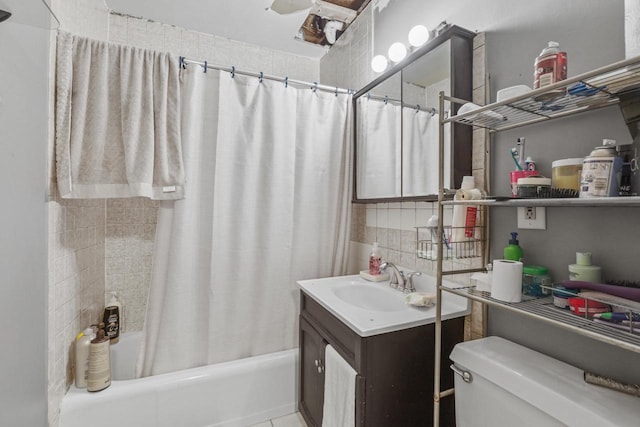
(113,318)
(83,344)
(99,369)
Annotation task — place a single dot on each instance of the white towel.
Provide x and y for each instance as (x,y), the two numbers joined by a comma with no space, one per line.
(117,121)
(339,408)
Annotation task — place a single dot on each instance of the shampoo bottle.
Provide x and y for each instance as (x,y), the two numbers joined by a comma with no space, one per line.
(99,370)
(513,251)
(83,343)
(113,318)
(375,259)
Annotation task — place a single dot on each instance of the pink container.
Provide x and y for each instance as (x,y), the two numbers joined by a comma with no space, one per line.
(515,175)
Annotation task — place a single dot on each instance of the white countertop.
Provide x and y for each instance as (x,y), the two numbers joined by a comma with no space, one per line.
(381,310)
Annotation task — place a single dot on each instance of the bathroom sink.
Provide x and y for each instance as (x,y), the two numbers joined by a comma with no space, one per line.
(369,298)
(370,308)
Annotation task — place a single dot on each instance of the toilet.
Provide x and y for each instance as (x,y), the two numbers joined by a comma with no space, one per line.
(511,385)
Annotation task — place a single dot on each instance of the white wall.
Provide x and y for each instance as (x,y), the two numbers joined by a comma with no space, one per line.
(23,241)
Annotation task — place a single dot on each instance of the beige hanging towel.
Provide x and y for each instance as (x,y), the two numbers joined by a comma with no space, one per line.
(117,121)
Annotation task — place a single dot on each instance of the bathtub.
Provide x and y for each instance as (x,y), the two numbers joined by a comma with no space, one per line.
(237,393)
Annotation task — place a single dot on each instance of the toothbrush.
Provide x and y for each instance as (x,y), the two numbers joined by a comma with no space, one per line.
(618,317)
(514,155)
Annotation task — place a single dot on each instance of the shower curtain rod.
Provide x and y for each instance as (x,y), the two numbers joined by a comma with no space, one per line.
(286,80)
(416,107)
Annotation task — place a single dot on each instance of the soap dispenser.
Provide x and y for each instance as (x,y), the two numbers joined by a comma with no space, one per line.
(375,259)
(513,251)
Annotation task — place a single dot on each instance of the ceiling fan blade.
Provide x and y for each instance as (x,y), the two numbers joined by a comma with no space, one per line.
(4,15)
(284,7)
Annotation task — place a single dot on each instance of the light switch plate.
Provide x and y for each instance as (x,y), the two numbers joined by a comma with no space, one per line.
(532,218)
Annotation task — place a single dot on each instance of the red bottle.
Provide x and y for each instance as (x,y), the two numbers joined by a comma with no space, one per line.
(550,66)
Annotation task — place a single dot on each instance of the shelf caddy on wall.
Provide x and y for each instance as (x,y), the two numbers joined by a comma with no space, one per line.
(610,85)
(615,84)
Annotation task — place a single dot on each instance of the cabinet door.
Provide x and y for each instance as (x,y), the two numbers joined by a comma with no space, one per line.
(311,374)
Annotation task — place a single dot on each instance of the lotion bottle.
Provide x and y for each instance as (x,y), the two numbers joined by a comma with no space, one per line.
(375,259)
(83,343)
(99,370)
(113,318)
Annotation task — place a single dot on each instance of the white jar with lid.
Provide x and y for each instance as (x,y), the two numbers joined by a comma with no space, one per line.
(566,173)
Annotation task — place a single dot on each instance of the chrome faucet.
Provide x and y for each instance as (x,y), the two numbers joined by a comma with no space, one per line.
(409,286)
(397,276)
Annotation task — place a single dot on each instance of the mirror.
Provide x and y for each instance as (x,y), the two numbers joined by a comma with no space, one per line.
(378,140)
(397,123)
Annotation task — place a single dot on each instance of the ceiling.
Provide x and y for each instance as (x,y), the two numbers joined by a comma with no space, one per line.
(249,21)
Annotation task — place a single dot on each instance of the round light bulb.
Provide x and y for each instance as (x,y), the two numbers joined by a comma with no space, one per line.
(418,35)
(379,63)
(397,52)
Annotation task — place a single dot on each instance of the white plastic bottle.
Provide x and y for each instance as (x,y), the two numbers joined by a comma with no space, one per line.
(113,318)
(99,370)
(83,343)
(375,259)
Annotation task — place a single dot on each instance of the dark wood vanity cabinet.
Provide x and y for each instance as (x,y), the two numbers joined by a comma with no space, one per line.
(394,383)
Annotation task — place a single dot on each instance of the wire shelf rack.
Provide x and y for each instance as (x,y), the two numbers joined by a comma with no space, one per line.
(542,308)
(596,89)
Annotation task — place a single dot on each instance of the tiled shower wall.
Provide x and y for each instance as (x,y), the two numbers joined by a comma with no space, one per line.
(99,246)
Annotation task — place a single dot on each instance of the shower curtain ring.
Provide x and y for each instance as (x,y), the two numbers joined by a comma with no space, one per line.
(286,82)
(261,76)
(315,87)
(336,90)
(417,108)
(182,64)
(386,99)
(205,66)
(233,71)
(433,112)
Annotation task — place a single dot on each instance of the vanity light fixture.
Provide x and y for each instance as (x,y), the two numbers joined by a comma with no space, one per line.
(379,63)
(418,35)
(397,52)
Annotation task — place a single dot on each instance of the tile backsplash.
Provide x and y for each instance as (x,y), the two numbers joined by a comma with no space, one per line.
(129,240)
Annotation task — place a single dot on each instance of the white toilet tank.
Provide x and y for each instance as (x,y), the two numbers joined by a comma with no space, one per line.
(512,385)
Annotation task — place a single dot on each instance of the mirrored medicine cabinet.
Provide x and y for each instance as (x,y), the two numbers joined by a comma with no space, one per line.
(396,123)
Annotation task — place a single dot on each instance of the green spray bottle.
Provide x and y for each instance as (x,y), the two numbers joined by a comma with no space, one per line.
(513,251)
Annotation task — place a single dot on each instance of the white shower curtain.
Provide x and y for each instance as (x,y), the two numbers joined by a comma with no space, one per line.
(379,153)
(267,203)
(420,162)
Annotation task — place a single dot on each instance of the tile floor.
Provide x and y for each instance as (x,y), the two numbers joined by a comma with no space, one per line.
(291,420)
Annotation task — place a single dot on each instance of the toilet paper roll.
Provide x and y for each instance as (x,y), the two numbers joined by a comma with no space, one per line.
(506,283)
(470,194)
